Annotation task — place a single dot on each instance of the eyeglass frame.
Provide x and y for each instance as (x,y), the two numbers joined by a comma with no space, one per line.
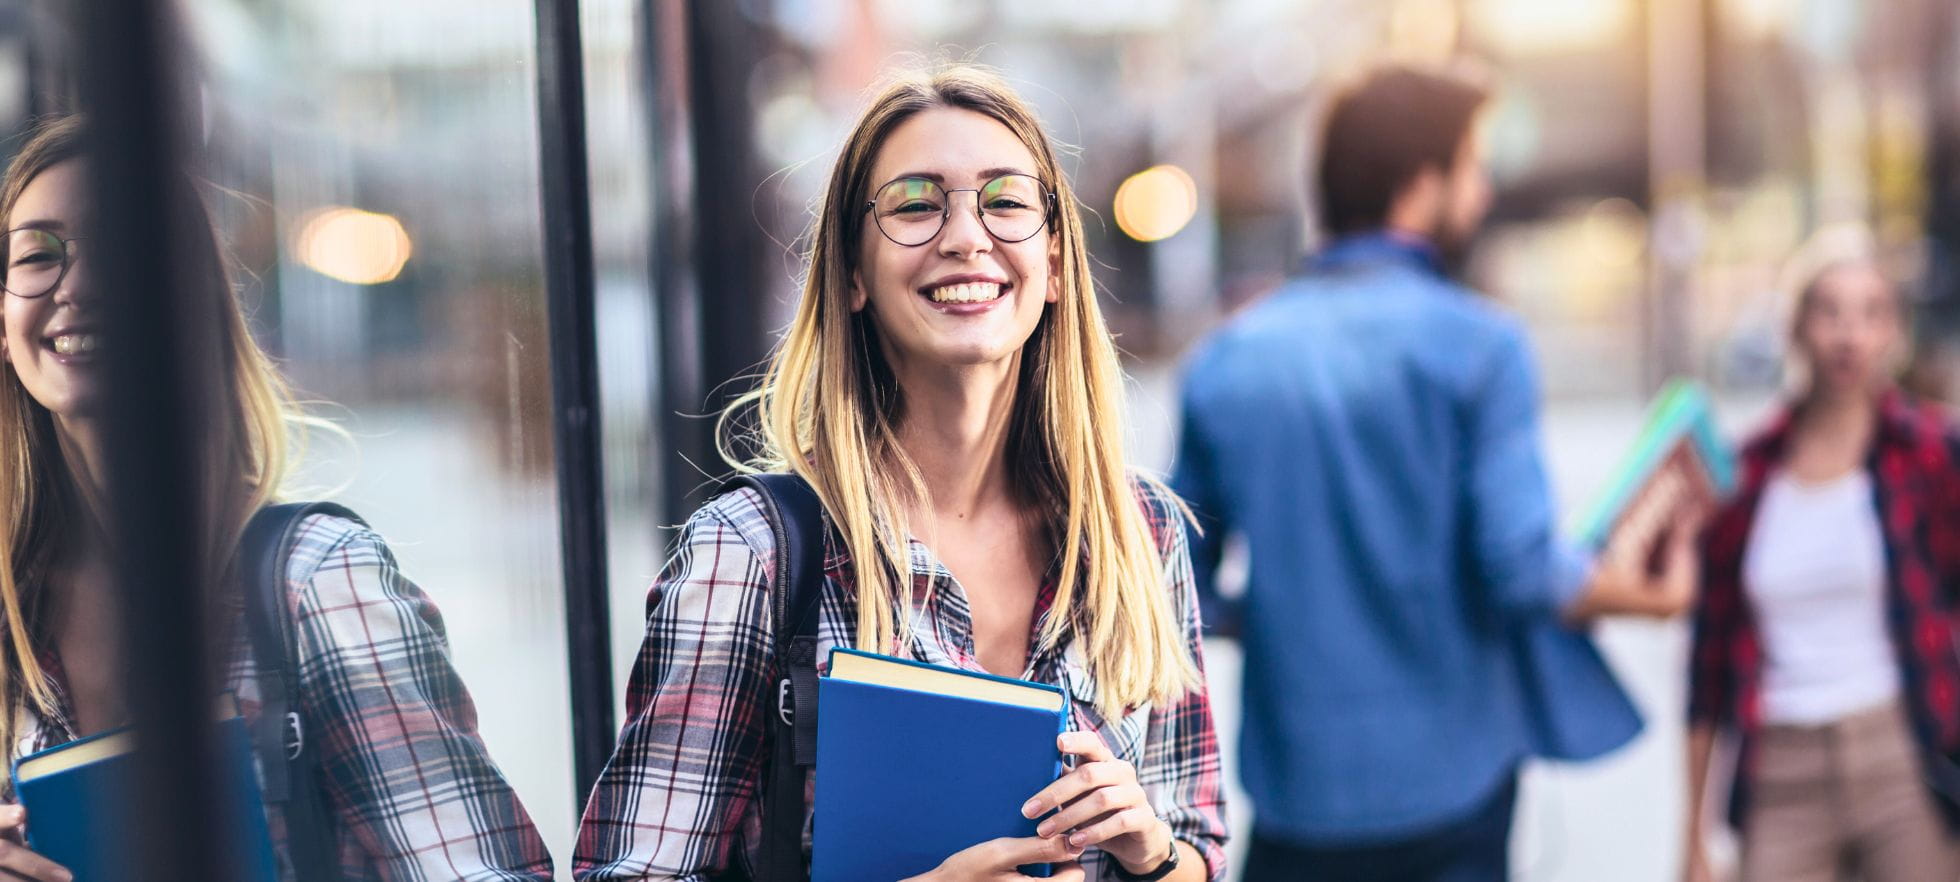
(1051,205)
(67,261)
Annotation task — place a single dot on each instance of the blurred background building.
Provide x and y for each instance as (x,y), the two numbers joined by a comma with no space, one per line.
(1658,162)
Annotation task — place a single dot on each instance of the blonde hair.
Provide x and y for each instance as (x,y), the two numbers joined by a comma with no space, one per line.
(1817,262)
(828,409)
(246,449)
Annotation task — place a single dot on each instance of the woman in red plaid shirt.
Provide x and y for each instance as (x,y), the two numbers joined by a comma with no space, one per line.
(410,792)
(950,390)
(1824,635)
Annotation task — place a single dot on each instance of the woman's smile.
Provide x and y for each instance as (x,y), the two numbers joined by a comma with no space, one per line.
(966,294)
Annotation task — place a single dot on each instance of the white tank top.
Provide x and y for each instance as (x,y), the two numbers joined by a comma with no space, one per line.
(1814,572)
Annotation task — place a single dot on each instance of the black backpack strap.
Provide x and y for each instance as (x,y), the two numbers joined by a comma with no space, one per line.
(796,515)
(287,757)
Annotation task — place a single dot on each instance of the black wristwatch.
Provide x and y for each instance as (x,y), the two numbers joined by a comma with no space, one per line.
(1166,868)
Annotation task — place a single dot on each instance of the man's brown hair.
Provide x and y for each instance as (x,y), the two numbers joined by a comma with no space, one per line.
(1381,132)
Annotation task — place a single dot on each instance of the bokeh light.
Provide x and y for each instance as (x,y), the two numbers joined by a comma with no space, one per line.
(355,246)
(1156,203)
(1527,27)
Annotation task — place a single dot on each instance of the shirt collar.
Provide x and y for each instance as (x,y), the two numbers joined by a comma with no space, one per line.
(942,620)
(1896,425)
(1379,246)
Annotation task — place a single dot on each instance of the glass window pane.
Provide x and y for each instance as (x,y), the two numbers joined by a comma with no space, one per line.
(384,164)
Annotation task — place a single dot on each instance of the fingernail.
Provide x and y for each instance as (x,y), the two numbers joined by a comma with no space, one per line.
(1075,839)
(1043,830)
(1032,809)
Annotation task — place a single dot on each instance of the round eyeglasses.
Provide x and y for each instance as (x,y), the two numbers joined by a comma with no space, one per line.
(911,211)
(37,261)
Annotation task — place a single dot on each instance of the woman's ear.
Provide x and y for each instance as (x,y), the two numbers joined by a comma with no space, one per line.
(858,294)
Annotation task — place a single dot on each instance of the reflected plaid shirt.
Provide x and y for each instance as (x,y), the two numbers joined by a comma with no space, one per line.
(681,797)
(1915,469)
(413,793)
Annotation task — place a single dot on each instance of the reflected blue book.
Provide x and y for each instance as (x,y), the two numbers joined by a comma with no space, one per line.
(916,762)
(78,814)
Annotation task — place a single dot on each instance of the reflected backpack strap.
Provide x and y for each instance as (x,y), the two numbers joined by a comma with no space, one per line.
(288,757)
(796,515)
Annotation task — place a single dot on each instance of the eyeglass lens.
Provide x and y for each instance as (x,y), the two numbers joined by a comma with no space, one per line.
(36,261)
(910,211)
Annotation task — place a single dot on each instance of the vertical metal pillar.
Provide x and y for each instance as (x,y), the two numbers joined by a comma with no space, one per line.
(127,65)
(569,281)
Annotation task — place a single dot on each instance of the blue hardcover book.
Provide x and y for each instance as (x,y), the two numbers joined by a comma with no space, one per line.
(917,761)
(77,800)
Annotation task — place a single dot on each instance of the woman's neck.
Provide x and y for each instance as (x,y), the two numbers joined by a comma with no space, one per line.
(955,430)
(82,452)
(1838,412)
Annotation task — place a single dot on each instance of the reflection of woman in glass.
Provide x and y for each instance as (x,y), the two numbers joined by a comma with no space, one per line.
(410,791)
(1824,636)
(950,389)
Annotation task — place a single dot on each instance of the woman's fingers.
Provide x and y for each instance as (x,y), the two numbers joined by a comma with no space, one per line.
(1681,574)
(1135,819)
(1093,805)
(1087,745)
(1098,768)
(996,860)
(1069,872)
(13,824)
(18,860)
(1003,855)
(1076,786)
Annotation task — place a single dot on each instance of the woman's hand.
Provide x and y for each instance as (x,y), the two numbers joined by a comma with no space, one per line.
(1622,584)
(1695,865)
(998,859)
(1102,804)
(16,858)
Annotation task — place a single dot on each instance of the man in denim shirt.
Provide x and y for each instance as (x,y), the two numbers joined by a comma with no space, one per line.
(1371,430)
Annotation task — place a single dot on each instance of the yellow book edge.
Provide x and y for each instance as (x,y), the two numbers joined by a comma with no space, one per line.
(899,675)
(103,747)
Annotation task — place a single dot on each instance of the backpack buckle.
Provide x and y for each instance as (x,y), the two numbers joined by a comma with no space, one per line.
(295,738)
(785,702)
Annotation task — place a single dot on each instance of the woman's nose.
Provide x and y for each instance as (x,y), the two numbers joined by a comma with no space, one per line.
(74,288)
(964,234)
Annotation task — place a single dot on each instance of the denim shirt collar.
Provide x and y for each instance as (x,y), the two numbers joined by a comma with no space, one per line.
(1380,246)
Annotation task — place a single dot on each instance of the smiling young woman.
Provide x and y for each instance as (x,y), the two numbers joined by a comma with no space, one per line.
(408,788)
(949,389)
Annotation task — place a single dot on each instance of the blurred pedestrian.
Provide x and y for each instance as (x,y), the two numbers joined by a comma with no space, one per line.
(1411,620)
(1824,636)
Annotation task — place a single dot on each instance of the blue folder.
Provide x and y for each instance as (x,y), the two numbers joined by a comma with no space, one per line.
(78,814)
(905,777)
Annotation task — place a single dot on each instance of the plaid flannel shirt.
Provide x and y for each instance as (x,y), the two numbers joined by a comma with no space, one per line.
(1915,468)
(412,793)
(681,798)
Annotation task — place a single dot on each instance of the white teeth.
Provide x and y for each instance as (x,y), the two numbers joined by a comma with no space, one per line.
(75,344)
(970,292)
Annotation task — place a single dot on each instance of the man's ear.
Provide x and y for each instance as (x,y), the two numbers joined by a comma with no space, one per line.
(1420,202)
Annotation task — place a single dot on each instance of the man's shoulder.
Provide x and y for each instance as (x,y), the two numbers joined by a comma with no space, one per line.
(1318,310)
